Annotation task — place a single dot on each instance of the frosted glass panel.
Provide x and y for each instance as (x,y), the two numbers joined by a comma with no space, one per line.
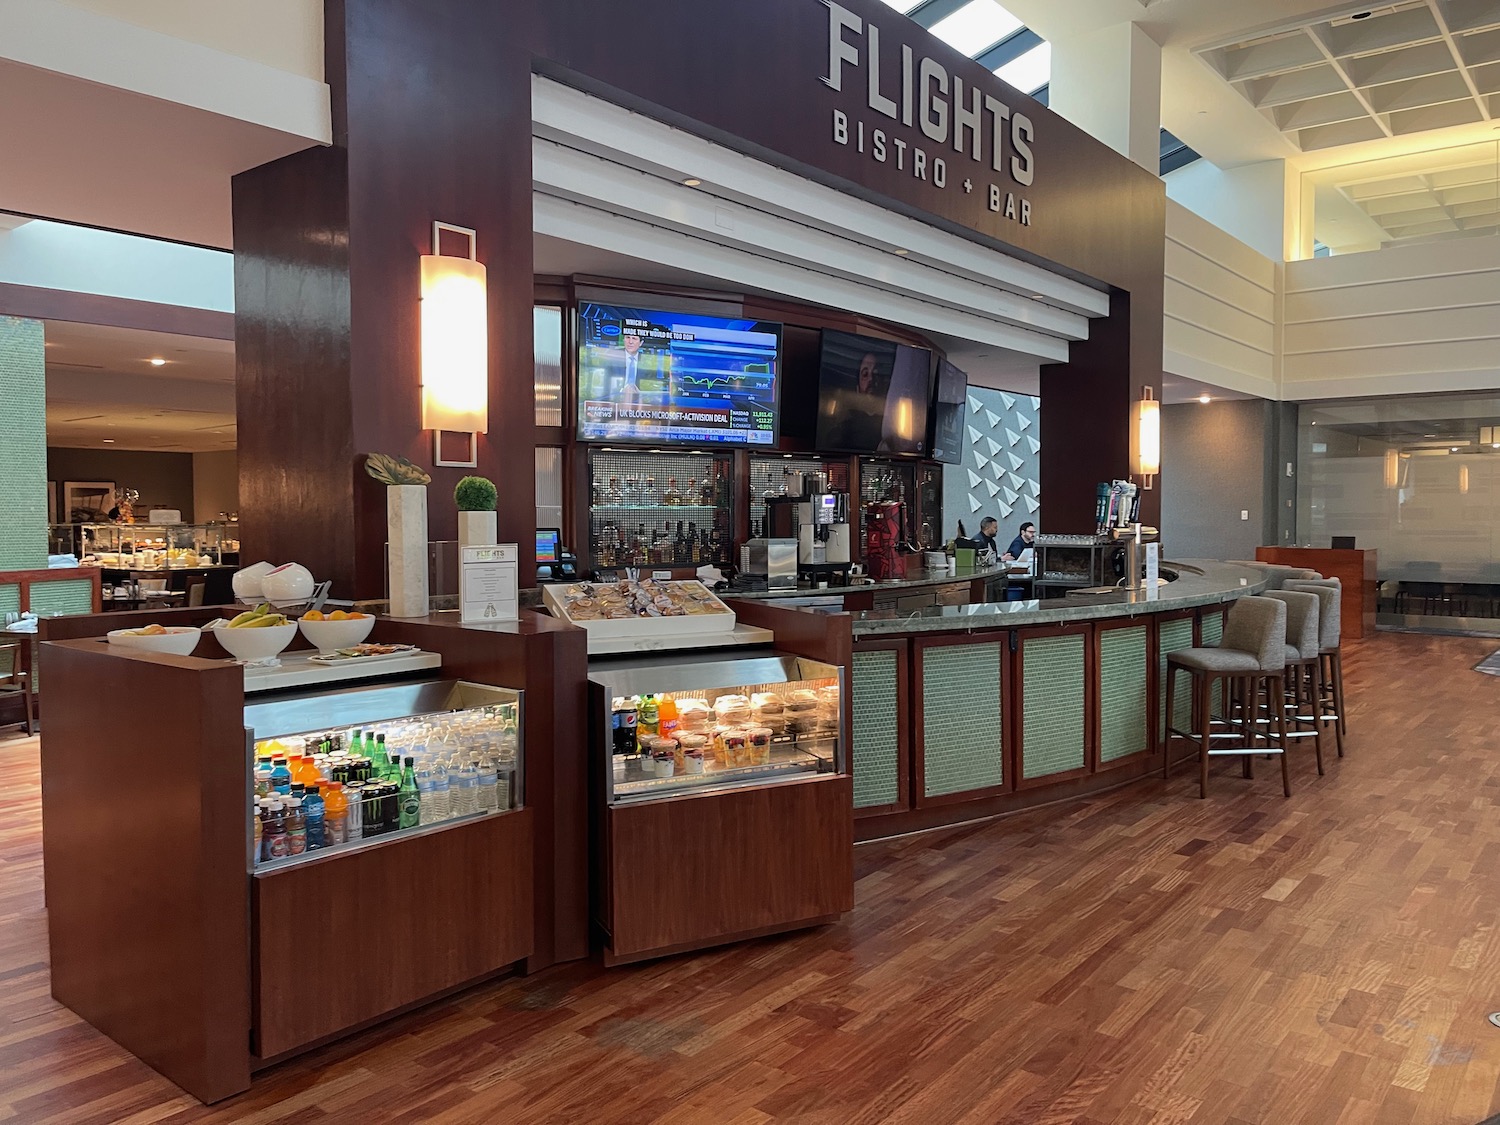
(1416,478)
(549,487)
(546,330)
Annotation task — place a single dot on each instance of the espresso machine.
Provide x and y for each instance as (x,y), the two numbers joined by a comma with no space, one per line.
(817,517)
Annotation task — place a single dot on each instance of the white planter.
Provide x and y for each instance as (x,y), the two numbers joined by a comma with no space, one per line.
(477,529)
(406,533)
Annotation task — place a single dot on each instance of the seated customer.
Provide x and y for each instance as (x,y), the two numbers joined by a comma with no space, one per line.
(985,540)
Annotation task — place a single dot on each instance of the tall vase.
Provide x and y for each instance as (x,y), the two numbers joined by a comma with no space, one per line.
(477,529)
(406,533)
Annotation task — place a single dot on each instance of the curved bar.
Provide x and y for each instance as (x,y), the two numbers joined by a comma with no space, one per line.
(971,711)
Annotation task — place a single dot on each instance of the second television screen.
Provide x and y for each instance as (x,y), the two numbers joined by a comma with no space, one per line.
(873,395)
(676,377)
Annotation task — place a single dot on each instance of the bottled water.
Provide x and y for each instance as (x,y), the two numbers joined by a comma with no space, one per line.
(485,764)
(427,794)
(459,794)
(442,804)
(468,773)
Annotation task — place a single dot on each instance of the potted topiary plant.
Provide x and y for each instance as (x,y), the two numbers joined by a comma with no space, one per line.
(476,497)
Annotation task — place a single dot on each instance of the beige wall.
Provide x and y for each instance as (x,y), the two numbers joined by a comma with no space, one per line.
(216,485)
(1221,298)
(1403,320)
(285,34)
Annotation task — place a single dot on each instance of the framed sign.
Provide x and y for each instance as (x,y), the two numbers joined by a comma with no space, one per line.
(87,501)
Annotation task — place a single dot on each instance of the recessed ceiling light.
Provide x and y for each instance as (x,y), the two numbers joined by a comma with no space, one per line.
(108,440)
(157,361)
(1314,422)
(691,182)
(1360,16)
(903,253)
(1205,398)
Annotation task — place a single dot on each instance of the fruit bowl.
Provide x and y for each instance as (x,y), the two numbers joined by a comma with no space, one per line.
(287,585)
(246,583)
(179,640)
(326,635)
(251,645)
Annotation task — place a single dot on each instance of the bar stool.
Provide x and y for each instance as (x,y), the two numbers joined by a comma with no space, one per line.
(17,680)
(1330,666)
(1304,665)
(1252,651)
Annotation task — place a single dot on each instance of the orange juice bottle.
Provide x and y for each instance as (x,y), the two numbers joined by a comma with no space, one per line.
(335,813)
(666,716)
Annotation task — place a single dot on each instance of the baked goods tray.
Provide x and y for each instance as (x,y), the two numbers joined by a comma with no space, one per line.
(645,609)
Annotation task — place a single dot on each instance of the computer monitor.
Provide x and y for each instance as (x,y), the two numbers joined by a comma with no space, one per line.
(1343,542)
(548,545)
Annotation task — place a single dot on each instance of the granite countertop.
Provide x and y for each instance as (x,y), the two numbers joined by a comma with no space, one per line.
(1200,582)
(916,576)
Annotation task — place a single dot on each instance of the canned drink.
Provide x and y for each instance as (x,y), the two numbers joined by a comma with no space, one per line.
(354,819)
(390,807)
(374,818)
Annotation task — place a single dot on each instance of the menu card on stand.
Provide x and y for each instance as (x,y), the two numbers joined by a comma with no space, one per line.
(487,584)
(1153,570)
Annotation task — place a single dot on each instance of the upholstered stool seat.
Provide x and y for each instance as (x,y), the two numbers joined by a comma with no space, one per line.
(1330,664)
(1303,681)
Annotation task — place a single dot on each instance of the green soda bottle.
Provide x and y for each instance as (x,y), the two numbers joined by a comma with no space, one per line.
(410,800)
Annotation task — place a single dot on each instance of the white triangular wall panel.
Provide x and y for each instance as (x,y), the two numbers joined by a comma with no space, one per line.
(1015,462)
(983,460)
(975,406)
(1005,510)
(1036,446)
(1024,421)
(1031,505)
(993,417)
(1011,494)
(974,503)
(1012,436)
(974,478)
(974,436)
(1036,403)
(994,445)
(1017,480)
(1009,400)
(992,489)
(1036,489)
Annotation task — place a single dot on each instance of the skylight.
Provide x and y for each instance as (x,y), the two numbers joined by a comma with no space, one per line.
(1031,71)
(975,26)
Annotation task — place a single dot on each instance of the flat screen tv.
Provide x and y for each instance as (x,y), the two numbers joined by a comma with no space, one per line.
(948,414)
(873,395)
(679,378)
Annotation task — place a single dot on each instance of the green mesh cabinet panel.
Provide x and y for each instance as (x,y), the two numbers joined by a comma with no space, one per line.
(876,735)
(1053,739)
(64,596)
(961,744)
(1171,636)
(1213,633)
(1122,692)
(10,599)
(23,445)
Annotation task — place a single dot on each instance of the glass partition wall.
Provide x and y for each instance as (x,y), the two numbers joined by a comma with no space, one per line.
(1418,479)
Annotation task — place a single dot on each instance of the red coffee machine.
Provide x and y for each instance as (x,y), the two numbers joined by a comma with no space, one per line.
(883,540)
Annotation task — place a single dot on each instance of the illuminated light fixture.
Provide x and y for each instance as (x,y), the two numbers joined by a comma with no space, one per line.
(157,361)
(1392,468)
(691,182)
(1463,478)
(108,440)
(903,253)
(1205,398)
(1490,436)
(455,346)
(1145,437)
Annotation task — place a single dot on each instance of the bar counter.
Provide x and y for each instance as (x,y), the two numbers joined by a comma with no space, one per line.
(959,712)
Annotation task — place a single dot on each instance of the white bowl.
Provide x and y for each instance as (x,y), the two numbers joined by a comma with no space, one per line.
(325,636)
(178,640)
(287,584)
(255,644)
(246,583)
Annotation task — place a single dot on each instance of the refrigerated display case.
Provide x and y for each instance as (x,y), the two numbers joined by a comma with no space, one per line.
(150,547)
(659,509)
(707,771)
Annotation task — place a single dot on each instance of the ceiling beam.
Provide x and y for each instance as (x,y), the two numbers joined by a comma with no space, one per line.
(1458,59)
(1320,40)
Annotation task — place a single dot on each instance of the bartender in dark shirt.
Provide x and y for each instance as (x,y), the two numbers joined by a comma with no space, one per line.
(1021,542)
(985,540)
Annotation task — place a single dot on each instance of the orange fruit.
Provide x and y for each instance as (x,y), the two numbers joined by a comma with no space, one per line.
(313,615)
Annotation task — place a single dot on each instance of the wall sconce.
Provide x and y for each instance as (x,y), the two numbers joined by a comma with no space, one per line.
(1145,438)
(455,346)
(1490,436)
(1392,468)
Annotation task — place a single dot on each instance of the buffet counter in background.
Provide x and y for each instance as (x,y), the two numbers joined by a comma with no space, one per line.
(964,711)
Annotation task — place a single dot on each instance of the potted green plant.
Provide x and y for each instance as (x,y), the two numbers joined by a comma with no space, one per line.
(406,530)
(476,498)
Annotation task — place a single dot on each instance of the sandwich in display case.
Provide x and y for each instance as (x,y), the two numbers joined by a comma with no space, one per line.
(706,771)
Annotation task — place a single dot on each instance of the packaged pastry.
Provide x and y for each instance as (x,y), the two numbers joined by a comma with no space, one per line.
(767,709)
(801,711)
(693,714)
(731,710)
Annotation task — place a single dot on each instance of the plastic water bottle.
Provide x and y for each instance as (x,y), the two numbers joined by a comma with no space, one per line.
(442,802)
(426,794)
(487,777)
(468,775)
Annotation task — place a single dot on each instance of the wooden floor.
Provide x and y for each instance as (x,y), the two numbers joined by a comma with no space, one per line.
(1144,957)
